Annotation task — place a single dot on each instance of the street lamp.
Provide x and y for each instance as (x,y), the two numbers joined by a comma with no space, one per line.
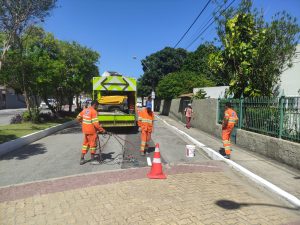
(153,92)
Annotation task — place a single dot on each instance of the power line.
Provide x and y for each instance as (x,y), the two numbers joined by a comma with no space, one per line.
(209,25)
(204,24)
(192,23)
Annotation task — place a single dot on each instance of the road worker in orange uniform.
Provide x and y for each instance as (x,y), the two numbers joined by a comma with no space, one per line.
(230,119)
(90,127)
(145,122)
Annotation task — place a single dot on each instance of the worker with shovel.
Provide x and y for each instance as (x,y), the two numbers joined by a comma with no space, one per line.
(90,128)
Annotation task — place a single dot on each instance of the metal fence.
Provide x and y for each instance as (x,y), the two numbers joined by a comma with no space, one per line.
(276,117)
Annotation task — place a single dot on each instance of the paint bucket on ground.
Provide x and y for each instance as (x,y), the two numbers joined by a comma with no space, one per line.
(190,150)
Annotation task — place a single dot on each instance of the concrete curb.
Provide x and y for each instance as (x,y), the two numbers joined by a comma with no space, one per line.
(257,179)
(27,139)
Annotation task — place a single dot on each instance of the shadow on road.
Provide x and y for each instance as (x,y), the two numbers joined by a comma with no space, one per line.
(232,205)
(7,137)
(122,130)
(76,129)
(30,150)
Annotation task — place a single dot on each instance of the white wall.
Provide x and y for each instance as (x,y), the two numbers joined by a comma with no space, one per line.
(213,92)
(290,79)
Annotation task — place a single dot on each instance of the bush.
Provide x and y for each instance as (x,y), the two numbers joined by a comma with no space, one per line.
(46,117)
(16,119)
(26,116)
(34,117)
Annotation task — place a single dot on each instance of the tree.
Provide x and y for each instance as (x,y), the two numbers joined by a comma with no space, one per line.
(142,90)
(32,68)
(47,67)
(80,68)
(254,53)
(177,83)
(201,94)
(16,16)
(161,63)
(197,62)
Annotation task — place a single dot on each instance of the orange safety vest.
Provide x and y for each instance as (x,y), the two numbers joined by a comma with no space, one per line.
(90,122)
(145,120)
(231,116)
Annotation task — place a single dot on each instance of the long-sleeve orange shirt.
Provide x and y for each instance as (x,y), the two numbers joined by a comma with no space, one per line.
(145,120)
(90,122)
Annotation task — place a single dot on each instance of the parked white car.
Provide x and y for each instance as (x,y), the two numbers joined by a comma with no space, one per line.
(51,101)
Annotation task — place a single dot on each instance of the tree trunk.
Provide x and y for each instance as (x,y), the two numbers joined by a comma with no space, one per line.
(77,102)
(1,99)
(27,101)
(70,100)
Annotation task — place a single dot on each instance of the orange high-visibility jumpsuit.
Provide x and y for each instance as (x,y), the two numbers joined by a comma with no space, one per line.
(232,118)
(90,126)
(145,122)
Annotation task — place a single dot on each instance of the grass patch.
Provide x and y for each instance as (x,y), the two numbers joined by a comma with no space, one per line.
(13,131)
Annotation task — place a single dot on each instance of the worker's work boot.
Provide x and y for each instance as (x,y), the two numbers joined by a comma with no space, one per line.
(82,161)
(142,153)
(227,156)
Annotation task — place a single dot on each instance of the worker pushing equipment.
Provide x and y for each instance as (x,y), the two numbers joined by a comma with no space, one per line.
(145,122)
(90,127)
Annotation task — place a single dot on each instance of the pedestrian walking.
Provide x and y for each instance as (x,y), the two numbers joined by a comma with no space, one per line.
(145,122)
(230,119)
(188,111)
(88,117)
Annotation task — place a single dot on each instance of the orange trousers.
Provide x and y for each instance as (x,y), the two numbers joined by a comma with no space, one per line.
(145,138)
(226,132)
(89,143)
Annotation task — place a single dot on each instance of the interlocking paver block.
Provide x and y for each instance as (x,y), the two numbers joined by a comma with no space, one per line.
(190,197)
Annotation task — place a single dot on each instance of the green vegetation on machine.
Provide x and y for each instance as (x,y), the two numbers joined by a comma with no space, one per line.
(116,95)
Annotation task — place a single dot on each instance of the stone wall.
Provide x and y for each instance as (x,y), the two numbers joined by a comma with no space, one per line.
(205,119)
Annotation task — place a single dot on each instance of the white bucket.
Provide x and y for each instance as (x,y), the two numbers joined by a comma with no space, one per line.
(190,150)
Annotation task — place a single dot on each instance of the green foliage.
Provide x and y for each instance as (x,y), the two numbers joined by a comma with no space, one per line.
(254,53)
(197,62)
(47,67)
(16,16)
(201,94)
(26,116)
(174,84)
(143,90)
(161,63)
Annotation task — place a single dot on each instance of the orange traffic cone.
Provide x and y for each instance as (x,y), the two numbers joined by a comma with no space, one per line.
(156,169)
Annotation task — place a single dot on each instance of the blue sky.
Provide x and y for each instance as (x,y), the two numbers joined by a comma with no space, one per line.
(121,29)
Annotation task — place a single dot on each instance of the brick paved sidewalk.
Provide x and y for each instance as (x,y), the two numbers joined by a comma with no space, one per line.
(206,193)
(281,175)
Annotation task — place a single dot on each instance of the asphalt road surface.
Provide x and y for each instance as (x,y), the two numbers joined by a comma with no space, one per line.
(7,114)
(58,155)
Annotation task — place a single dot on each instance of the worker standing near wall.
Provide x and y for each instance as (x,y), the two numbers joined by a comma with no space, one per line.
(230,119)
(90,126)
(145,122)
